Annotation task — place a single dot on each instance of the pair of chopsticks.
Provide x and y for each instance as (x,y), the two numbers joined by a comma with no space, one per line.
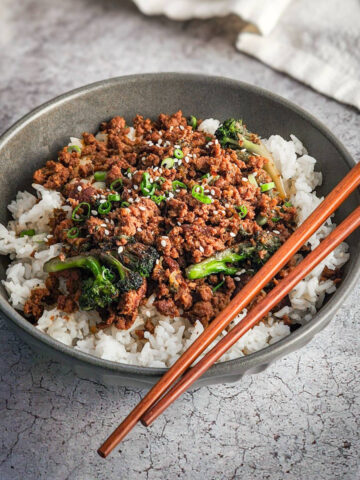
(166,390)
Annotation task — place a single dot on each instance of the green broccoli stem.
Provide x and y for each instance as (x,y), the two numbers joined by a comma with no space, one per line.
(110,259)
(218,263)
(88,262)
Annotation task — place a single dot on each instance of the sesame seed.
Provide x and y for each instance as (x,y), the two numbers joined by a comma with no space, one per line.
(102,200)
(237,279)
(155,169)
(137,200)
(254,174)
(201,249)
(135,187)
(171,128)
(180,162)
(159,142)
(148,313)
(143,159)
(106,232)
(179,223)
(244,179)
(215,212)
(232,234)
(212,191)
(276,231)
(227,205)
(163,243)
(120,249)
(181,127)
(79,188)
(187,160)
(130,200)
(139,229)
(142,208)
(103,225)
(94,212)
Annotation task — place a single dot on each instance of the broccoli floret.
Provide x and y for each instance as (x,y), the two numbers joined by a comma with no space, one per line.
(234,134)
(97,291)
(218,263)
(140,258)
(128,279)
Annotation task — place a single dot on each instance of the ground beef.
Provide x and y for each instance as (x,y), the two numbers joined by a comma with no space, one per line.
(163,213)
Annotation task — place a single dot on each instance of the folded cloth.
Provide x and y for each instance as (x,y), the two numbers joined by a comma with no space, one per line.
(316,42)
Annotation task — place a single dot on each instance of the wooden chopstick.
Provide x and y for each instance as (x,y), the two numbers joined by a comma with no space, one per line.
(344,188)
(351,223)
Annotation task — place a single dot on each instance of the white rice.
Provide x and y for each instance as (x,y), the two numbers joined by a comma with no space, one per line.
(172,336)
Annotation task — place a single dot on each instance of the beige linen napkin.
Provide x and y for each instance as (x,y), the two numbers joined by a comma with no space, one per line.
(315,41)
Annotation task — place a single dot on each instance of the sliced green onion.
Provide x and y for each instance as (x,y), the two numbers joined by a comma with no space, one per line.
(275,219)
(178,153)
(242,211)
(207,175)
(28,233)
(84,216)
(288,204)
(116,184)
(218,286)
(198,193)
(260,220)
(208,139)
(125,204)
(157,198)
(73,232)
(104,208)
(252,180)
(114,197)
(147,188)
(168,162)
(177,184)
(193,122)
(265,187)
(100,176)
(74,148)
(162,180)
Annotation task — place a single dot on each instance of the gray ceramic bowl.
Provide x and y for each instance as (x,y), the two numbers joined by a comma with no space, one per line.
(39,135)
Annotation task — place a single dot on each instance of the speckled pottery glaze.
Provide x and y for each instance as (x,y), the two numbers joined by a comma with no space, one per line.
(39,135)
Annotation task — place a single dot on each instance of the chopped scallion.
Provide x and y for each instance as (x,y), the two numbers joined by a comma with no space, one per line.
(116,184)
(177,184)
(198,193)
(242,211)
(125,204)
(81,217)
(73,232)
(114,197)
(265,187)
(104,208)
(147,188)
(74,148)
(178,153)
(100,176)
(193,122)
(27,233)
(168,162)
(157,198)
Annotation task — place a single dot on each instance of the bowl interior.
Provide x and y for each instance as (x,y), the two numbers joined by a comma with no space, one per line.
(42,133)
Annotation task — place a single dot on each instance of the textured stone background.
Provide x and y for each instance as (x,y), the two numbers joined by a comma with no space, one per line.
(299,420)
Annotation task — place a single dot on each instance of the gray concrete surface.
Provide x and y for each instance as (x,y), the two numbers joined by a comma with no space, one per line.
(299,420)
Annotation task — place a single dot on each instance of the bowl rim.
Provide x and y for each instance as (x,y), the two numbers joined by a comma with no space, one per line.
(264,356)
